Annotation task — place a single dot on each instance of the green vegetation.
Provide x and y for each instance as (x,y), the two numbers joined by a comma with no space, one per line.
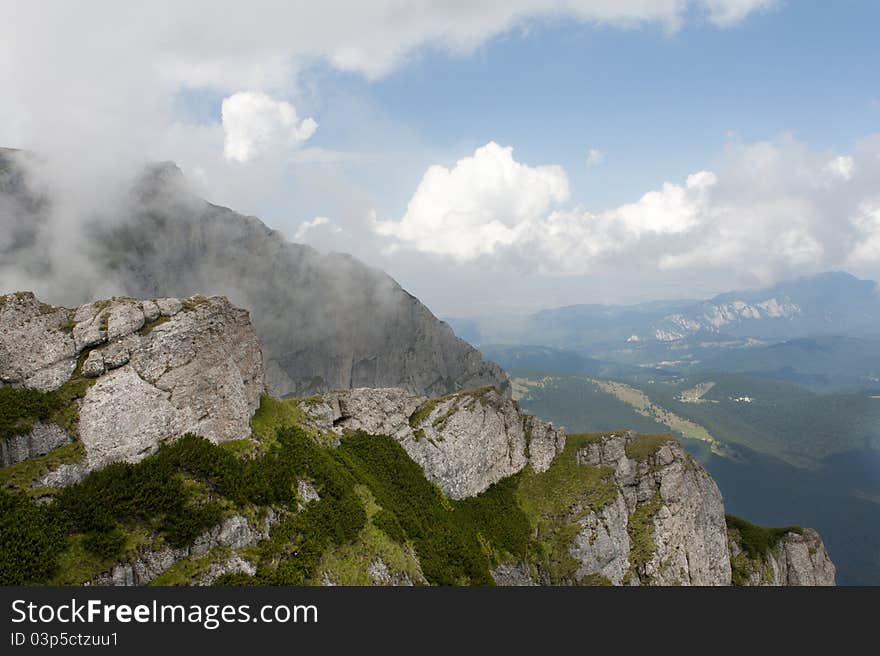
(274,414)
(347,564)
(195,302)
(422,412)
(641,535)
(645,446)
(31,539)
(185,571)
(556,499)
(20,408)
(757,543)
(756,540)
(149,326)
(22,475)
(451,544)
(375,504)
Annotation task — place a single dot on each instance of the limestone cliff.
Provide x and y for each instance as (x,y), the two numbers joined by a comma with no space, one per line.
(786,556)
(144,371)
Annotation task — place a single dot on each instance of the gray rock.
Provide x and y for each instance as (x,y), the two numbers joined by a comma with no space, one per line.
(36,346)
(689,529)
(40,440)
(125,317)
(151,310)
(168,307)
(93,366)
(235,564)
(201,371)
(796,559)
(602,545)
(516,574)
(465,442)
(67,474)
(235,532)
(306,492)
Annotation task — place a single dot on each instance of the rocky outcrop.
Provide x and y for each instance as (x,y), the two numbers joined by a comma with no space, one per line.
(159,369)
(37,348)
(465,442)
(235,532)
(40,440)
(668,503)
(326,321)
(797,557)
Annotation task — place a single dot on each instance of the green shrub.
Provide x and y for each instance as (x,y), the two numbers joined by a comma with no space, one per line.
(20,408)
(757,541)
(31,538)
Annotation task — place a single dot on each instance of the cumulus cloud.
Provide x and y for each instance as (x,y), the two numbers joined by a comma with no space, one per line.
(773,209)
(254,122)
(483,202)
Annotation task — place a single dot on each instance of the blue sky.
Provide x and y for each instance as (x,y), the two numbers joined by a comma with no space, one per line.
(658,105)
(447,143)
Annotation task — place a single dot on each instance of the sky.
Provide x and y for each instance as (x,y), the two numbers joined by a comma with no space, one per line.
(493,157)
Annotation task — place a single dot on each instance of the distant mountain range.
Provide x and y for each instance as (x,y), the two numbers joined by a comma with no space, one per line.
(820,331)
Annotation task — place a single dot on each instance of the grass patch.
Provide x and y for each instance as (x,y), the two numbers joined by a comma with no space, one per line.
(185,571)
(554,501)
(758,540)
(645,446)
(347,564)
(195,302)
(274,414)
(22,475)
(641,536)
(422,412)
(150,326)
(757,543)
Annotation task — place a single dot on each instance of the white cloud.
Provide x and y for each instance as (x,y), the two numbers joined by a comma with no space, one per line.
(255,122)
(595,157)
(304,227)
(482,203)
(773,209)
(842,166)
(115,67)
(730,12)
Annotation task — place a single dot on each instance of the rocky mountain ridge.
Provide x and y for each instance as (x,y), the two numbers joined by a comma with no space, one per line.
(160,390)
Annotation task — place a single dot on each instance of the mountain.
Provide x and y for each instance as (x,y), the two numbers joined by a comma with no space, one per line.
(833,303)
(828,303)
(325,321)
(173,467)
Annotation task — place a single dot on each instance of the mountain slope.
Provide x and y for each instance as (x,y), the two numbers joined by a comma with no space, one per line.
(325,321)
(360,486)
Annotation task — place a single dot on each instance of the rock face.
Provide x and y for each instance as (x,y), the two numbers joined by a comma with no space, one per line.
(326,322)
(37,348)
(41,439)
(464,441)
(160,369)
(678,505)
(234,532)
(797,558)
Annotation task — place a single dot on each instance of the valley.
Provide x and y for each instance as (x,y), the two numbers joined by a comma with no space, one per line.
(779,452)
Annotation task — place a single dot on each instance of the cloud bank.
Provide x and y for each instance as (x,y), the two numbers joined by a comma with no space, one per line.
(772,209)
